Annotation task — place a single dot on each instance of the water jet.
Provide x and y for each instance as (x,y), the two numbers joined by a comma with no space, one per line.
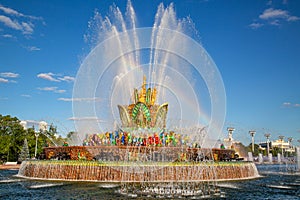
(158,138)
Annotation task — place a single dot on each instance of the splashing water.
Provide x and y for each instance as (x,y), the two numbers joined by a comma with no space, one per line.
(176,65)
(179,67)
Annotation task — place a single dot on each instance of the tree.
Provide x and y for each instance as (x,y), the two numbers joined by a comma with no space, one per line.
(73,139)
(24,152)
(275,151)
(256,149)
(12,136)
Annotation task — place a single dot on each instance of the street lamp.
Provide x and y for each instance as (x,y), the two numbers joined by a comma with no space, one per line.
(36,134)
(290,139)
(252,133)
(268,135)
(230,131)
(281,139)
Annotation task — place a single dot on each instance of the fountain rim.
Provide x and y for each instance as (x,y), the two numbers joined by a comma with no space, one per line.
(215,164)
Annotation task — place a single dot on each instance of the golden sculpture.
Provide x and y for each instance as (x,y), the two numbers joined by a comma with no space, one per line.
(144,112)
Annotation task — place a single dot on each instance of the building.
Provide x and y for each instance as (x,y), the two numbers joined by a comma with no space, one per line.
(280,144)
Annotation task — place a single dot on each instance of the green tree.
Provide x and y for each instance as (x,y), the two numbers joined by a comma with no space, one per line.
(12,135)
(72,138)
(256,149)
(24,155)
(275,151)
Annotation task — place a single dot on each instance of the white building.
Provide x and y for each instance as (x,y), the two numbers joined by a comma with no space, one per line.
(280,144)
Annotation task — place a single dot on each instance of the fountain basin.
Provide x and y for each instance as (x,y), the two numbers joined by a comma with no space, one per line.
(117,172)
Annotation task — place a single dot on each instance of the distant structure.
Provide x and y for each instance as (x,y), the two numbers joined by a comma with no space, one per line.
(252,133)
(24,124)
(229,141)
(43,126)
(284,146)
(268,135)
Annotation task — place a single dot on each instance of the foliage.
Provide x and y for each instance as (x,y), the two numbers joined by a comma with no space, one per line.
(13,135)
(24,152)
(256,149)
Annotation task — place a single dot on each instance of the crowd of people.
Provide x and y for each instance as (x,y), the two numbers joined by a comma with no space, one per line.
(119,138)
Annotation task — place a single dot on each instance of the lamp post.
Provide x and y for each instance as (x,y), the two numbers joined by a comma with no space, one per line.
(252,133)
(230,131)
(267,135)
(281,139)
(290,139)
(36,134)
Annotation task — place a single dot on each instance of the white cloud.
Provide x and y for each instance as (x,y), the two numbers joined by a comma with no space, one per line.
(65,99)
(286,104)
(33,48)
(18,21)
(52,89)
(27,27)
(292,18)
(271,13)
(10,23)
(55,77)
(13,12)
(47,76)
(7,36)
(289,105)
(3,80)
(9,75)
(26,95)
(48,88)
(273,17)
(10,11)
(67,78)
(255,25)
(60,91)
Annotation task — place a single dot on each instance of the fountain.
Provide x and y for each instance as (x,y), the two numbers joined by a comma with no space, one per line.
(279,158)
(250,157)
(130,135)
(270,158)
(298,158)
(260,158)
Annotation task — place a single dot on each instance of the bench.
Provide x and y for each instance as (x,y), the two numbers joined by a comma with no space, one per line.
(10,163)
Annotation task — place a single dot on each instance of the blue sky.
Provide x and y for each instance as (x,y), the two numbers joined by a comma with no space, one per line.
(254,43)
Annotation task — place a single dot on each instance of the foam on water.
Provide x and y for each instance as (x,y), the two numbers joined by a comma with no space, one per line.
(280,187)
(11,180)
(227,185)
(45,185)
(109,185)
